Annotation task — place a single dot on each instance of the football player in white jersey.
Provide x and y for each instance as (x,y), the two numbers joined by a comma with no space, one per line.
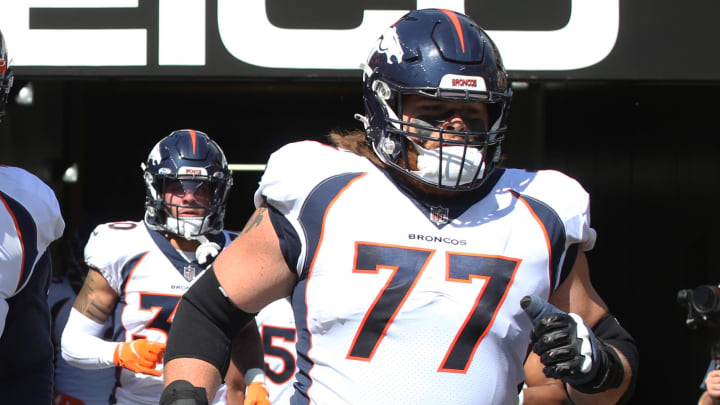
(30,220)
(276,324)
(420,271)
(72,385)
(139,270)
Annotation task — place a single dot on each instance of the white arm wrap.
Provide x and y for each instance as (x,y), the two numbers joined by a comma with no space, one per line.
(82,346)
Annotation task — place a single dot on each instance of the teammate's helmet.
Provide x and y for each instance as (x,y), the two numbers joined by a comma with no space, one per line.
(6,75)
(442,55)
(193,159)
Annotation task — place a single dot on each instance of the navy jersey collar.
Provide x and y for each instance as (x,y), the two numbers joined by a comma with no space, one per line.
(174,256)
(431,205)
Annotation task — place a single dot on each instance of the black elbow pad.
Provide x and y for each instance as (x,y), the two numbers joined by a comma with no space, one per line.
(182,392)
(205,323)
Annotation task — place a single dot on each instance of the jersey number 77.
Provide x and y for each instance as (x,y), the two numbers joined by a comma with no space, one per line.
(407,265)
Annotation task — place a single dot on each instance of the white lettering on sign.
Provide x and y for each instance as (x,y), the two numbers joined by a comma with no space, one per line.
(264,44)
(247,34)
(70,47)
(587,39)
(182,31)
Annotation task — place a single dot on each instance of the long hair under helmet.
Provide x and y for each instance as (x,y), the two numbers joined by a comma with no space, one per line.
(191,158)
(442,55)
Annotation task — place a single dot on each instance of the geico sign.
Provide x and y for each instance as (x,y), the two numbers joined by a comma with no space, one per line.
(247,34)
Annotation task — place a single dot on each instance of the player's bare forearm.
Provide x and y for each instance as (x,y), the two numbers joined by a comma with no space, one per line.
(96,299)
(553,394)
(540,389)
(247,353)
(198,372)
(235,383)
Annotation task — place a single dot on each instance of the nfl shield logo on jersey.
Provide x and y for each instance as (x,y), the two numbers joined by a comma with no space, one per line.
(439,215)
(189,272)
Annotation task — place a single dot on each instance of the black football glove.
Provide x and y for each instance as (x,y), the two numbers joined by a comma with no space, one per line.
(569,350)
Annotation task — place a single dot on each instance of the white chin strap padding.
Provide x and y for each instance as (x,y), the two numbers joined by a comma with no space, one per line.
(453,165)
(187,227)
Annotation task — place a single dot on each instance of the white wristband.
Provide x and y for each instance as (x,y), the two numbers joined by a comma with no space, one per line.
(254,375)
(520,397)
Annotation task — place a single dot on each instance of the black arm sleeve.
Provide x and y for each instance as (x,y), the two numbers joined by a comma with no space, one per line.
(609,331)
(205,323)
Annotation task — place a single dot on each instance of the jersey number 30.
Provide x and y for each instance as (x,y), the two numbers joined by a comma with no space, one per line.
(407,265)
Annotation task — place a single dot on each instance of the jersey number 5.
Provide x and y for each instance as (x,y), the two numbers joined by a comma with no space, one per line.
(288,359)
(407,265)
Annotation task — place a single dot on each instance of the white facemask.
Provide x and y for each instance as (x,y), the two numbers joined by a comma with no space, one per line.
(429,163)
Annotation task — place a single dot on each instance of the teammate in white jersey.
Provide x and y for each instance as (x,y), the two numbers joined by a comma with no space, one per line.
(72,385)
(30,221)
(418,269)
(277,331)
(139,270)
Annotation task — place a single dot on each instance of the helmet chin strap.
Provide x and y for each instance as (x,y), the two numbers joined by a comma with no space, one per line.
(207,250)
(430,162)
(187,227)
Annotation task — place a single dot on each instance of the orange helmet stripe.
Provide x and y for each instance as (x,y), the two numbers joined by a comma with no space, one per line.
(193,136)
(458,28)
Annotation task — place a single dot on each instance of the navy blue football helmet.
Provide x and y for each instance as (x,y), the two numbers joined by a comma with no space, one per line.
(189,159)
(6,75)
(441,55)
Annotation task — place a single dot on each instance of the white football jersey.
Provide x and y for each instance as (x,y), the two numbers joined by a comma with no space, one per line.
(410,301)
(277,330)
(149,276)
(30,220)
(92,387)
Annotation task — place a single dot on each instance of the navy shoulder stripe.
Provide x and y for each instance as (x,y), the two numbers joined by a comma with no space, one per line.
(28,235)
(127,268)
(311,218)
(555,230)
(312,214)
